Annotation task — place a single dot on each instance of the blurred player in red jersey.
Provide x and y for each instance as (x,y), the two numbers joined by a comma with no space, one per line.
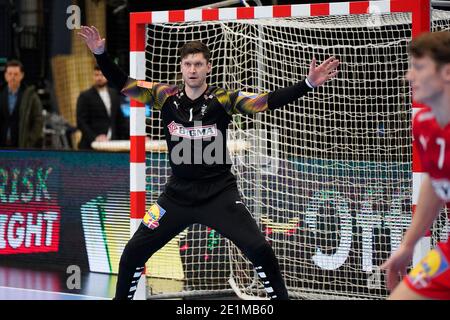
(429,76)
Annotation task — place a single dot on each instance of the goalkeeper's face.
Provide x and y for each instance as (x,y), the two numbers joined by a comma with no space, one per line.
(195,69)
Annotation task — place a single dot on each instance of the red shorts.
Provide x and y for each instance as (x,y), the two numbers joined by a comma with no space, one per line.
(431,276)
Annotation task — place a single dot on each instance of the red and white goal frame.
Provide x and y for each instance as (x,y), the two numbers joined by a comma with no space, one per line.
(419,9)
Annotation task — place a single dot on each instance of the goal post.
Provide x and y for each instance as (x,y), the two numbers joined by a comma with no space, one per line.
(332,179)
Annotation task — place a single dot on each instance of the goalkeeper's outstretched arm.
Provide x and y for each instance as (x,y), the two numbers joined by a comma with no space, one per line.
(246,103)
(116,76)
(316,77)
(234,102)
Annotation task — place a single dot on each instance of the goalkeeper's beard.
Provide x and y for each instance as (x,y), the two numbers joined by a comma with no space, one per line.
(195,83)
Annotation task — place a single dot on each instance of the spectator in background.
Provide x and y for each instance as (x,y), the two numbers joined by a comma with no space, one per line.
(21,121)
(99,116)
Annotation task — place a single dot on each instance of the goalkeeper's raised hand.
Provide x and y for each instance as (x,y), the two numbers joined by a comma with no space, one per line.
(327,70)
(92,38)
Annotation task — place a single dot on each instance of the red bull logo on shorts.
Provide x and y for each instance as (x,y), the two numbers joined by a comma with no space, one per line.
(153,215)
(429,268)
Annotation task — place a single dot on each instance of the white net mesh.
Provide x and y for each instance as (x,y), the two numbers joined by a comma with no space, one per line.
(328,178)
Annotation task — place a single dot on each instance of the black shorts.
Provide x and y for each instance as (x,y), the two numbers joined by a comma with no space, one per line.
(196,192)
(215,203)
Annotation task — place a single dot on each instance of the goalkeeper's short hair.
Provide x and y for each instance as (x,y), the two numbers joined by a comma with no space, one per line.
(193,47)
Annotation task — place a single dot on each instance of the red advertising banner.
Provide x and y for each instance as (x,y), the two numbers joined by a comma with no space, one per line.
(29,227)
(29,213)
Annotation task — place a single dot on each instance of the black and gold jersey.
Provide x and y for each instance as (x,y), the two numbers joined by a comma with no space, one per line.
(196,130)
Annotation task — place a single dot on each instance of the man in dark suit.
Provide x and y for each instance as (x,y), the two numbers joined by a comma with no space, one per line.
(99,116)
(21,120)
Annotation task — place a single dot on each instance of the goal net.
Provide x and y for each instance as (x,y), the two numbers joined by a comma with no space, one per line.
(328,178)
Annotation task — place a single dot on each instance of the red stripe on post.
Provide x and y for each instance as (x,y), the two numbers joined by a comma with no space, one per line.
(137,149)
(136,104)
(359,7)
(282,11)
(176,16)
(420,11)
(137,30)
(401,6)
(245,13)
(428,233)
(210,14)
(137,38)
(420,17)
(320,9)
(141,17)
(137,204)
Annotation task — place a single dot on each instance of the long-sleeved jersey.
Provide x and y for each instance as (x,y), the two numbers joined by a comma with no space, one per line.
(195,130)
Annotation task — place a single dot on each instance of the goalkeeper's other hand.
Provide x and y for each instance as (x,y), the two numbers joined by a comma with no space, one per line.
(92,38)
(327,70)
